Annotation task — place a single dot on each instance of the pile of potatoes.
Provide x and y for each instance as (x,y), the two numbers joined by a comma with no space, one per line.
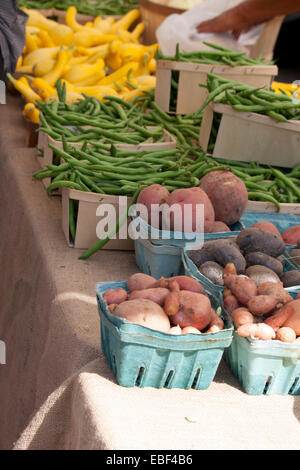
(224,197)
(256,252)
(265,311)
(176,305)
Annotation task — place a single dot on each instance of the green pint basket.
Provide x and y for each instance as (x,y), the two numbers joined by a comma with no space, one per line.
(142,357)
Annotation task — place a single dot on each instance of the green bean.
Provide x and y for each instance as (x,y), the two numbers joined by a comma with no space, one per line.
(263,197)
(101,243)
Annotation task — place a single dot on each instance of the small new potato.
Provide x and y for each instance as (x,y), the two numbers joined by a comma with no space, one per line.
(213,271)
(256,239)
(260,274)
(219,226)
(268,226)
(257,258)
(286,334)
(291,278)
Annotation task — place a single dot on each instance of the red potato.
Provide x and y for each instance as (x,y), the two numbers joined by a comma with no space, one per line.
(190,330)
(115,296)
(231,303)
(256,331)
(139,281)
(192,197)
(242,316)
(242,287)
(172,303)
(194,310)
(216,323)
(291,235)
(268,226)
(228,194)
(279,317)
(285,334)
(262,304)
(184,283)
(144,312)
(152,197)
(219,226)
(157,294)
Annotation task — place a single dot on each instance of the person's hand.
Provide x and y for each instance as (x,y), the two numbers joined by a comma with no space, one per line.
(231,20)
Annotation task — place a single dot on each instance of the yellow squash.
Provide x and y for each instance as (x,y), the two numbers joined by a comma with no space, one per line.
(62,58)
(81,72)
(31,113)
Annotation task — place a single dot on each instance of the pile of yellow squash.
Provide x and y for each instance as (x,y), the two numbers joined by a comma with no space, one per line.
(101,57)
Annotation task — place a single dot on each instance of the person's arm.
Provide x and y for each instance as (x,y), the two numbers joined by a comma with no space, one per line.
(247,14)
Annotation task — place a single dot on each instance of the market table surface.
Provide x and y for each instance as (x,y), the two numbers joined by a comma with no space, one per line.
(56,388)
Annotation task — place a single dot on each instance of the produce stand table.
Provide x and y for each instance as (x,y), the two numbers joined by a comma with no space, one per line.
(56,388)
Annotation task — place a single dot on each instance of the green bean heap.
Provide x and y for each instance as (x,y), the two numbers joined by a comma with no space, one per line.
(88,7)
(242,97)
(218,56)
(115,121)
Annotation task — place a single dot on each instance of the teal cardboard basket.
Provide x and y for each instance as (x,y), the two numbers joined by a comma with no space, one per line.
(265,367)
(142,357)
(158,260)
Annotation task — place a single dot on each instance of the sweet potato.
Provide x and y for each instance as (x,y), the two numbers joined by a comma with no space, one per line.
(241,316)
(115,296)
(219,226)
(268,226)
(257,258)
(180,219)
(172,303)
(256,239)
(242,287)
(293,321)
(291,235)
(184,282)
(144,312)
(286,334)
(190,330)
(260,274)
(227,193)
(157,294)
(276,290)
(279,317)
(291,278)
(194,310)
(230,303)
(262,304)
(152,197)
(139,281)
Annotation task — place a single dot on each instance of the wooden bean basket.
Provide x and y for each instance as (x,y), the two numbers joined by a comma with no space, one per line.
(190,95)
